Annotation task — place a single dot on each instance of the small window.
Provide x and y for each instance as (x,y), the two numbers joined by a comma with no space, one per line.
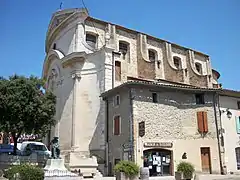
(54,46)
(91,40)
(116,130)
(151,55)
(154,97)
(177,62)
(116,100)
(238,104)
(123,48)
(199,98)
(198,68)
(238,124)
(237,151)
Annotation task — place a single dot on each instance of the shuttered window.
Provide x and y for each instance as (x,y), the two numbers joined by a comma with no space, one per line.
(116,130)
(237,151)
(238,124)
(202,122)
(117,71)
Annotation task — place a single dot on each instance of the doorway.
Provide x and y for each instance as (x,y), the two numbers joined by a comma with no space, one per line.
(206,160)
(159,162)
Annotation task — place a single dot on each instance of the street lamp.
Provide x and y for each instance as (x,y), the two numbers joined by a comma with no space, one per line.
(229,113)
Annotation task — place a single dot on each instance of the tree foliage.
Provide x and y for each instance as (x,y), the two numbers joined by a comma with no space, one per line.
(24,108)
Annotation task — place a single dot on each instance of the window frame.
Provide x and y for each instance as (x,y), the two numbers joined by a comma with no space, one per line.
(89,38)
(120,119)
(197,64)
(121,44)
(179,60)
(238,104)
(201,100)
(116,99)
(150,53)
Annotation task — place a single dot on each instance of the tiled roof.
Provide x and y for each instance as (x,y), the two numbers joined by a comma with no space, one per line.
(229,92)
(158,84)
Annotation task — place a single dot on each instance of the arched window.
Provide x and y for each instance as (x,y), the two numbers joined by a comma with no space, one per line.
(151,55)
(237,150)
(198,67)
(91,40)
(177,62)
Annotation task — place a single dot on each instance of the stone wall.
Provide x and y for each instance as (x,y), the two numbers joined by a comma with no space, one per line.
(173,119)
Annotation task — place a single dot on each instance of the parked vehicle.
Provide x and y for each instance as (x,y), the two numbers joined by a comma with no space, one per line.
(8,149)
(29,147)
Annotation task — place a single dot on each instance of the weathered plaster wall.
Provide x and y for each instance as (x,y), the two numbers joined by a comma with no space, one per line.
(231,138)
(116,142)
(65,41)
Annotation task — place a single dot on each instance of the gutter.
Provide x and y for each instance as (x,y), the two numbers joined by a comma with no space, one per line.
(215,96)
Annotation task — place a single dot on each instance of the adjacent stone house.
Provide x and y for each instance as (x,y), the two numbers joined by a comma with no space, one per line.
(160,124)
(230,120)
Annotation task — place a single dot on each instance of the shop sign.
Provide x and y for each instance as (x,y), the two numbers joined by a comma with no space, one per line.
(158,144)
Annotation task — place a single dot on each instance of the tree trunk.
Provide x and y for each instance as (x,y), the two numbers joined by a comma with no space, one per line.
(15,145)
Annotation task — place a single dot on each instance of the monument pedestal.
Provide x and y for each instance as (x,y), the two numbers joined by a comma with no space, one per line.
(87,165)
(56,168)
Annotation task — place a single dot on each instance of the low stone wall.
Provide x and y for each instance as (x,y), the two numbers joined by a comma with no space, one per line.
(6,160)
(216,177)
(78,178)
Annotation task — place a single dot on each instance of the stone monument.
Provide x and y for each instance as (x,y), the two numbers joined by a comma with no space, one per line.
(55,148)
(55,166)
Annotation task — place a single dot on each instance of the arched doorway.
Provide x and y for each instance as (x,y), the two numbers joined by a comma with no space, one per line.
(159,162)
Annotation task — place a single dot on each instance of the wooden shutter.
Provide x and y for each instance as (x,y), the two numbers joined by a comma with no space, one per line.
(200,122)
(116,125)
(238,124)
(205,122)
(117,71)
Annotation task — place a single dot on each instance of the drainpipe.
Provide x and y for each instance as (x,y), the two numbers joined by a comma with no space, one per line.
(113,67)
(107,138)
(131,123)
(222,139)
(215,96)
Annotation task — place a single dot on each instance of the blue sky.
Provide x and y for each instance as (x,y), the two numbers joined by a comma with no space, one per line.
(209,26)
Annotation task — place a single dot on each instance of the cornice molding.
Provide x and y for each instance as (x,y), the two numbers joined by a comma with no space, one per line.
(52,33)
(73,58)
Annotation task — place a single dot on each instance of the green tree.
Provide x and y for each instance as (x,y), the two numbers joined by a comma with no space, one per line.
(24,107)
